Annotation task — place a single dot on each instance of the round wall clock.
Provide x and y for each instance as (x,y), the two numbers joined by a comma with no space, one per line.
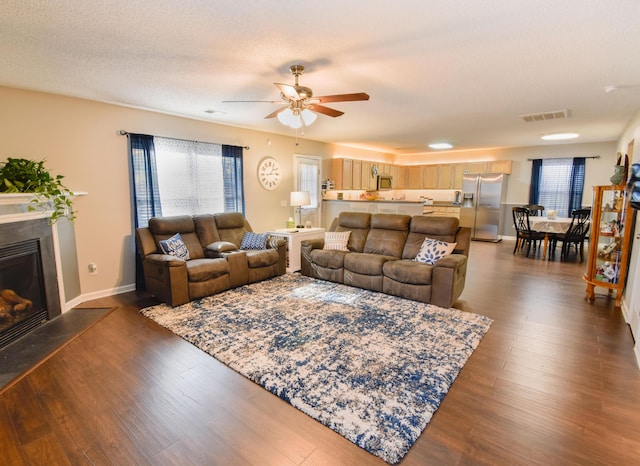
(269,174)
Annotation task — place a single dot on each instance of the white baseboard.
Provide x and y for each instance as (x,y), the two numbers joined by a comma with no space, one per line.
(98,294)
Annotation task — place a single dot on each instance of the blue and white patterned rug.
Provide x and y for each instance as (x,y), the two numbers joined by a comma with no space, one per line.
(372,367)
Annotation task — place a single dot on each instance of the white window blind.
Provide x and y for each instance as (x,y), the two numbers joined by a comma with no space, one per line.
(190,176)
(555,184)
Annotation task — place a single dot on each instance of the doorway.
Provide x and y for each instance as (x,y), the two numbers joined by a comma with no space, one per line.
(306,177)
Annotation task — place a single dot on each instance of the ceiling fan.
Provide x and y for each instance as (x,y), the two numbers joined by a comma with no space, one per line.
(300,104)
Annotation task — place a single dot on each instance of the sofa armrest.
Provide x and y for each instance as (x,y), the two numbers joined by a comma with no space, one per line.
(447,283)
(165,260)
(166,278)
(219,248)
(306,246)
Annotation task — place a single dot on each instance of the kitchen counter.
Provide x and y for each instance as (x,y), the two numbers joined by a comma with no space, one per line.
(332,207)
(397,201)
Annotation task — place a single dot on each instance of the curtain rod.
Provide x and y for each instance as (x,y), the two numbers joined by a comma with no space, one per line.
(556,158)
(126,133)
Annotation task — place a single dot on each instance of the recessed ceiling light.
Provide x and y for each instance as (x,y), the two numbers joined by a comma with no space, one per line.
(440,145)
(559,136)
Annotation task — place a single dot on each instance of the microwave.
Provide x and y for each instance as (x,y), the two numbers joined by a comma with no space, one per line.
(385,182)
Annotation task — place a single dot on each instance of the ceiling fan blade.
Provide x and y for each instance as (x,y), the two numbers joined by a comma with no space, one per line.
(342,97)
(288,90)
(251,101)
(275,112)
(325,110)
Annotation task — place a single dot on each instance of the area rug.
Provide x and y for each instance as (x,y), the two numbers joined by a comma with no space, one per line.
(372,367)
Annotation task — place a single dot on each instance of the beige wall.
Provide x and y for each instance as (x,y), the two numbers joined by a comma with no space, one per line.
(80,140)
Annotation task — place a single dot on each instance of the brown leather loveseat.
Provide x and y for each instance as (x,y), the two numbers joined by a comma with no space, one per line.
(381,252)
(215,261)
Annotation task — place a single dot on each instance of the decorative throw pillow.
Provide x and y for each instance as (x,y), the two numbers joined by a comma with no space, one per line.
(336,240)
(432,250)
(174,246)
(252,240)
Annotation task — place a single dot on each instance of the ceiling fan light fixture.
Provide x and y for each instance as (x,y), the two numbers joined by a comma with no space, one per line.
(308,116)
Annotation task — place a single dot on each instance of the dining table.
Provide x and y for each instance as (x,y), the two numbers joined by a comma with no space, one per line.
(549,226)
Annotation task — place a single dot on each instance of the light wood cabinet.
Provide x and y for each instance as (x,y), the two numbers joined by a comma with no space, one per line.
(429,176)
(356,174)
(476,168)
(444,175)
(459,170)
(499,166)
(611,231)
(403,178)
(415,177)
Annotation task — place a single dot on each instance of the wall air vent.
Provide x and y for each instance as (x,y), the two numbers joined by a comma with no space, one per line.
(554,115)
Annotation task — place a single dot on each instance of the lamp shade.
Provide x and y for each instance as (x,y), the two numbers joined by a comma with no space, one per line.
(299,198)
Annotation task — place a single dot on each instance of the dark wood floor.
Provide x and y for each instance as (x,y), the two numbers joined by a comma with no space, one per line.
(553,382)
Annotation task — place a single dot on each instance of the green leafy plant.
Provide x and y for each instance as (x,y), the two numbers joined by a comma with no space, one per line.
(29,176)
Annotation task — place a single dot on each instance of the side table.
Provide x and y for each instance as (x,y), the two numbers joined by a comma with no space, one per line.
(293,237)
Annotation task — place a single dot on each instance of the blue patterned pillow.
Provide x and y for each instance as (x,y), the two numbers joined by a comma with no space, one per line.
(252,240)
(432,250)
(174,246)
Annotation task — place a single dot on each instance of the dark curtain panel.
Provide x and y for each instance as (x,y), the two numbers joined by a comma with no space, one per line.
(146,195)
(534,189)
(233,178)
(577,184)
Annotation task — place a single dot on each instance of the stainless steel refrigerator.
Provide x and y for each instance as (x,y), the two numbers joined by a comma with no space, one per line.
(482,206)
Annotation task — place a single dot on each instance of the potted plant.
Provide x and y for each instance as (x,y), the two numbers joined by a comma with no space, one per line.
(31,177)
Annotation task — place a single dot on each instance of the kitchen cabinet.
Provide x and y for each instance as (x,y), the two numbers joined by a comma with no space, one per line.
(356,174)
(429,176)
(342,173)
(415,177)
(476,168)
(611,230)
(499,166)
(459,170)
(444,176)
(442,211)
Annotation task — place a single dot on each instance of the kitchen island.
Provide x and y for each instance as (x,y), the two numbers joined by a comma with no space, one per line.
(331,208)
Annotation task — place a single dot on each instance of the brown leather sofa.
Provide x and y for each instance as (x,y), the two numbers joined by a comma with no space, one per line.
(382,248)
(216,262)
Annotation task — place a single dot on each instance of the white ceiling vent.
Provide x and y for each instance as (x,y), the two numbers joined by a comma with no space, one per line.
(554,115)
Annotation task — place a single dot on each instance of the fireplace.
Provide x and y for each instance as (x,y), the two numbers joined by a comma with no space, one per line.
(29,294)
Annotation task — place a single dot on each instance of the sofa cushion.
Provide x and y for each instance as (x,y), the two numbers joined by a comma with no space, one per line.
(231,226)
(163,228)
(433,250)
(421,227)
(262,258)
(365,263)
(408,271)
(387,235)
(328,259)
(251,240)
(336,240)
(200,270)
(358,224)
(174,246)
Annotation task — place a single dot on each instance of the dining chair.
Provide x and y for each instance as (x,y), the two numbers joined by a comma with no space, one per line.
(535,210)
(524,234)
(575,235)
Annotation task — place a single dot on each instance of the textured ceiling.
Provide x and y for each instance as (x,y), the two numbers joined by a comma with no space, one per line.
(456,71)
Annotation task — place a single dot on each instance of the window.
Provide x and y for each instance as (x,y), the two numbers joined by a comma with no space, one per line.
(178,177)
(557,184)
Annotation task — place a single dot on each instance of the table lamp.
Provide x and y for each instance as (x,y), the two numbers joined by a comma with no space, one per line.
(298,199)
